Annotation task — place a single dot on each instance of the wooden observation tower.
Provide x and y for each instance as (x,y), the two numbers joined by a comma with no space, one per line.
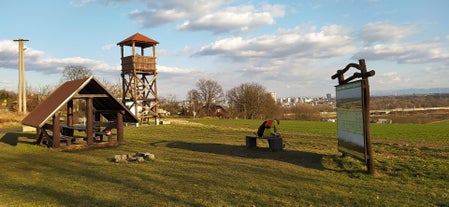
(139,76)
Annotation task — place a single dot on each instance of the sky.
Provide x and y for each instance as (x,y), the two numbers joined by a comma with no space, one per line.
(291,48)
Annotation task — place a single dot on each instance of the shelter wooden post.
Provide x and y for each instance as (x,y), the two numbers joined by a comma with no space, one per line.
(97,123)
(38,131)
(97,117)
(70,113)
(120,139)
(89,121)
(56,131)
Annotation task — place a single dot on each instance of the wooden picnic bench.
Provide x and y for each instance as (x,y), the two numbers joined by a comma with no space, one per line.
(275,143)
(98,132)
(47,138)
(104,129)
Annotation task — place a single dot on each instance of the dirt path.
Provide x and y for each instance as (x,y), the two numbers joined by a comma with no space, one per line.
(183,122)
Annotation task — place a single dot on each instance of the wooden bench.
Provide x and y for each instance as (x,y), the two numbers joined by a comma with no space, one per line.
(46,137)
(275,143)
(107,129)
(103,133)
(98,133)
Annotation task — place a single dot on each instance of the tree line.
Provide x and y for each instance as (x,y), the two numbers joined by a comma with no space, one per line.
(246,101)
(409,101)
(8,99)
(249,100)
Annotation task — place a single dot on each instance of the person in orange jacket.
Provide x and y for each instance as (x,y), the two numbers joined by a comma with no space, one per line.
(268,128)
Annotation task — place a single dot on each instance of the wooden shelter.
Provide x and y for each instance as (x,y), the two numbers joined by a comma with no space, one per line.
(139,77)
(99,103)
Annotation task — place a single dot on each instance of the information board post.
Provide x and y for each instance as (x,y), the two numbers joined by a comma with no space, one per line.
(353,113)
(366,100)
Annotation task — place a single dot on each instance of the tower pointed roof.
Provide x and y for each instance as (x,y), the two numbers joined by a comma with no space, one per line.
(139,40)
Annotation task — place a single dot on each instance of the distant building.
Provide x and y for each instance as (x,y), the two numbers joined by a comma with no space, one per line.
(384,121)
(273,94)
(328,97)
(308,100)
(296,100)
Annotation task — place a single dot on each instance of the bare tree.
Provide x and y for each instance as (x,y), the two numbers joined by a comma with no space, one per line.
(194,98)
(169,104)
(209,93)
(115,88)
(252,101)
(306,112)
(7,99)
(35,96)
(74,72)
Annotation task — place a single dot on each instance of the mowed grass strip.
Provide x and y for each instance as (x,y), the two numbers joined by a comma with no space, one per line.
(207,164)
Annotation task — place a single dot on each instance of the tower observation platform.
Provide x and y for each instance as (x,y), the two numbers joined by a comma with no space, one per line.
(139,77)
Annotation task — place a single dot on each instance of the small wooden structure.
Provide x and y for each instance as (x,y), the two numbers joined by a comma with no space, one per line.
(99,103)
(139,77)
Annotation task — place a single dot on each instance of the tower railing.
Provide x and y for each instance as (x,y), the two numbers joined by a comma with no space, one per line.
(139,64)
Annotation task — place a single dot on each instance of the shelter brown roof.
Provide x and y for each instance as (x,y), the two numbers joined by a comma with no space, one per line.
(139,40)
(69,90)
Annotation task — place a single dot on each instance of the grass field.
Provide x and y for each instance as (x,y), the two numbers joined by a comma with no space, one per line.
(204,162)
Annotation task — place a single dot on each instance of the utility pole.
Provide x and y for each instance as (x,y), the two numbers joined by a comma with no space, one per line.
(22,99)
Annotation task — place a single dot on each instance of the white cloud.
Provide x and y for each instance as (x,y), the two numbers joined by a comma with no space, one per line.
(150,18)
(108,47)
(330,41)
(185,51)
(385,81)
(302,58)
(218,16)
(167,11)
(174,70)
(385,32)
(405,53)
(178,81)
(5,83)
(290,58)
(241,18)
(36,60)
(81,3)
(8,54)
(390,76)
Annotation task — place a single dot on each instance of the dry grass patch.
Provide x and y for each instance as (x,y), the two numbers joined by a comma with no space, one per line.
(10,119)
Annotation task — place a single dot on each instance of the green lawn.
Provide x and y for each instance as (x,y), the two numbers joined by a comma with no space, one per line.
(207,164)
